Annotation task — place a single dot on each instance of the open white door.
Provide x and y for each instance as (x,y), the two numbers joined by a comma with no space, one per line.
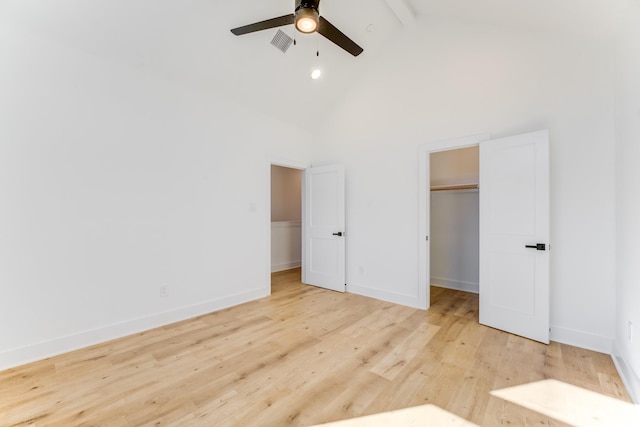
(323,257)
(514,235)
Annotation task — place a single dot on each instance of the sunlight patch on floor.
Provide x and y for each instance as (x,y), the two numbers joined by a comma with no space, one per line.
(572,405)
(418,416)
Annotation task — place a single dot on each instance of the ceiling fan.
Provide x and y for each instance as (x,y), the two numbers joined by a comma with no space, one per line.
(307,19)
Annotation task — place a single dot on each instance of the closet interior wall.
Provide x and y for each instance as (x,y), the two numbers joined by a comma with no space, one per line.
(454,219)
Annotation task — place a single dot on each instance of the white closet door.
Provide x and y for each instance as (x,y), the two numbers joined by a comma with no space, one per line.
(323,228)
(514,235)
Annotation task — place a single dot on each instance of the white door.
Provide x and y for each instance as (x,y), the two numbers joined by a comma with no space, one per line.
(514,235)
(323,257)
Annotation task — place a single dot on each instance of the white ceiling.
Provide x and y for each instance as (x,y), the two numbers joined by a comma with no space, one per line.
(189,42)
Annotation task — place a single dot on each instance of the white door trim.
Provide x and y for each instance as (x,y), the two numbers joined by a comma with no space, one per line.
(424,188)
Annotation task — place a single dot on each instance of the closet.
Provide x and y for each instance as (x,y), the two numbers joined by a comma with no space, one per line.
(286,218)
(454,227)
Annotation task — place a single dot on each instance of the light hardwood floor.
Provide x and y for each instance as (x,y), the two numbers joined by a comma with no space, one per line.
(302,356)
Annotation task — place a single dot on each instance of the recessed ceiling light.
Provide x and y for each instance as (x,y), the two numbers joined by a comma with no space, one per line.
(315,74)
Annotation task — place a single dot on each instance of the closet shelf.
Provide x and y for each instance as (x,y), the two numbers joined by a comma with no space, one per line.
(455,187)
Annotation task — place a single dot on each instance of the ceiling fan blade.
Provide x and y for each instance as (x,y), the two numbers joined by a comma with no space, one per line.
(264,25)
(327,29)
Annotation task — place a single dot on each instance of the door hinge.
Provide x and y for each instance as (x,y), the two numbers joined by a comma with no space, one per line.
(427,238)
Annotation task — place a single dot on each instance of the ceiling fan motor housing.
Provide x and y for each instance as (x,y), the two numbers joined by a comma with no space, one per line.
(307,4)
(307,16)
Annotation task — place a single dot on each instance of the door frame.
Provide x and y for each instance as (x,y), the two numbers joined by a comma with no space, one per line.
(286,163)
(424,206)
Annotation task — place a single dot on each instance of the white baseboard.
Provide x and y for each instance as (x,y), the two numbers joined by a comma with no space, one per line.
(43,350)
(455,284)
(629,378)
(285,266)
(407,300)
(582,339)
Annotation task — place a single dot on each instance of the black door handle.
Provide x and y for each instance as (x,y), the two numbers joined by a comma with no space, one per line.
(538,246)
(339,234)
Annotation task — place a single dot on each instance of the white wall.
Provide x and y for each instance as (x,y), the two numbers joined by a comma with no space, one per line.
(628,196)
(442,79)
(455,239)
(455,167)
(286,245)
(286,194)
(114,184)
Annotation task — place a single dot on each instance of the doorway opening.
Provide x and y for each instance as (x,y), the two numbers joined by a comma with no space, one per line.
(424,207)
(513,230)
(454,228)
(286,222)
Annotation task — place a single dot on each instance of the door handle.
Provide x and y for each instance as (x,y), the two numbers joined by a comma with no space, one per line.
(538,246)
(339,234)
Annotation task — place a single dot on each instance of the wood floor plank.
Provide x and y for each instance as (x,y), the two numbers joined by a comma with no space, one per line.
(302,356)
(472,396)
(405,351)
(352,401)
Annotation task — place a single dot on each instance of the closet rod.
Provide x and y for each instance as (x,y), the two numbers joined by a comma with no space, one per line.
(455,187)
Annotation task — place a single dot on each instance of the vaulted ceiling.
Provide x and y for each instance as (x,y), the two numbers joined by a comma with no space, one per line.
(188,42)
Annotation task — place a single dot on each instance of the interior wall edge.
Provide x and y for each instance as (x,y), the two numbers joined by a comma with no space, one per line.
(412,301)
(286,266)
(629,378)
(36,352)
(582,339)
(457,285)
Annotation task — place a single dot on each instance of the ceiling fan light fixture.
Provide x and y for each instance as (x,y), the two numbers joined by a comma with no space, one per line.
(307,20)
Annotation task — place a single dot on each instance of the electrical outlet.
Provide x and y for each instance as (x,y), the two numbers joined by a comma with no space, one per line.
(630,330)
(164,291)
